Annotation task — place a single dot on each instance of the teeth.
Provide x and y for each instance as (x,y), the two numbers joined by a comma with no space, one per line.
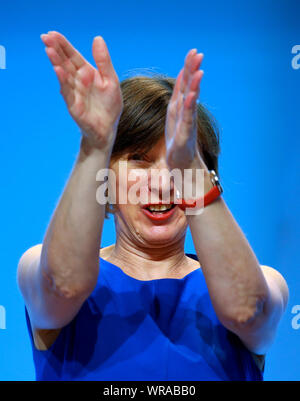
(159,208)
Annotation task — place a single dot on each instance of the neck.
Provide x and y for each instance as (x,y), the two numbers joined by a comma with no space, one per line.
(149,263)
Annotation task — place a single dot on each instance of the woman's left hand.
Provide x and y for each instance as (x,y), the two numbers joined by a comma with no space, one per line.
(181,122)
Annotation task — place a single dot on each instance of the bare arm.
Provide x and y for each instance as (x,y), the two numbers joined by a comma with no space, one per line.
(57,276)
(248,299)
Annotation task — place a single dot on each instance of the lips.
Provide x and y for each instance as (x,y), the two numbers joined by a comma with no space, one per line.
(159,212)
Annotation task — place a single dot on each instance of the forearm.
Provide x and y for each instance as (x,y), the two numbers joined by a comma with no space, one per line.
(70,253)
(232,272)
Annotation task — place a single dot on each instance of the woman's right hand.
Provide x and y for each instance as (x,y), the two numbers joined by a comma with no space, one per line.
(93,96)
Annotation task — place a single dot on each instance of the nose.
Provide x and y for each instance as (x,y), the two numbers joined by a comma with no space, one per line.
(160,183)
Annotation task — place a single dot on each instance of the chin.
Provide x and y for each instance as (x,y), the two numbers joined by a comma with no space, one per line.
(162,235)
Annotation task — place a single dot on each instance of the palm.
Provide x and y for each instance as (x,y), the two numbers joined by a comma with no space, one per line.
(181,122)
(93,96)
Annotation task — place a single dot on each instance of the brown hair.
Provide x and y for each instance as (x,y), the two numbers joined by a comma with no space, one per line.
(142,122)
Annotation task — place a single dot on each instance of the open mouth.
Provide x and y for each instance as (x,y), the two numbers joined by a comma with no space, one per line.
(159,208)
(159,212)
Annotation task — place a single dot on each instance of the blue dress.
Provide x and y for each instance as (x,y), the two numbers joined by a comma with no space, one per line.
(128,329)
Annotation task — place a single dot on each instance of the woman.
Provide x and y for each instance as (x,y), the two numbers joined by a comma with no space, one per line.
(151,312)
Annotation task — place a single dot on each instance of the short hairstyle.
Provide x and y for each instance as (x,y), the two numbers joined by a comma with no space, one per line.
(142,122)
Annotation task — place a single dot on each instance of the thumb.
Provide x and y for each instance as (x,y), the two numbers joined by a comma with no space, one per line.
(102,58)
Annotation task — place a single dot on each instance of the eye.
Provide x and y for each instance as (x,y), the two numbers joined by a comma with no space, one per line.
(137,157)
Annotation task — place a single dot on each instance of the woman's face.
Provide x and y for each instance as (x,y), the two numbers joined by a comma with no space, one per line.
(138,182)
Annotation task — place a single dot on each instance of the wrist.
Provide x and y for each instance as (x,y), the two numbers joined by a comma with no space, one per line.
(204,186)
(88,149)
(101,140)
(198,164)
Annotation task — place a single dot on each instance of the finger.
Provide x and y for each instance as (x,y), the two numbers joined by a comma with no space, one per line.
(61,74)
(194,73)
(185,129)
(196,62)
(194,65)
(184,99)
(52,43)
(186,70)
(53,56)
(68,49)
(195,81)
(102,58)
(176,88)
(56,61)
(172,106)
(190,101)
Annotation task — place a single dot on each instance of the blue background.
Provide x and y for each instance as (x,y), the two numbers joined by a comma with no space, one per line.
(249,85)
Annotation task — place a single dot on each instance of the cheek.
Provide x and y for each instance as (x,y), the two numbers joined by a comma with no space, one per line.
(133,192)
(127,210)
